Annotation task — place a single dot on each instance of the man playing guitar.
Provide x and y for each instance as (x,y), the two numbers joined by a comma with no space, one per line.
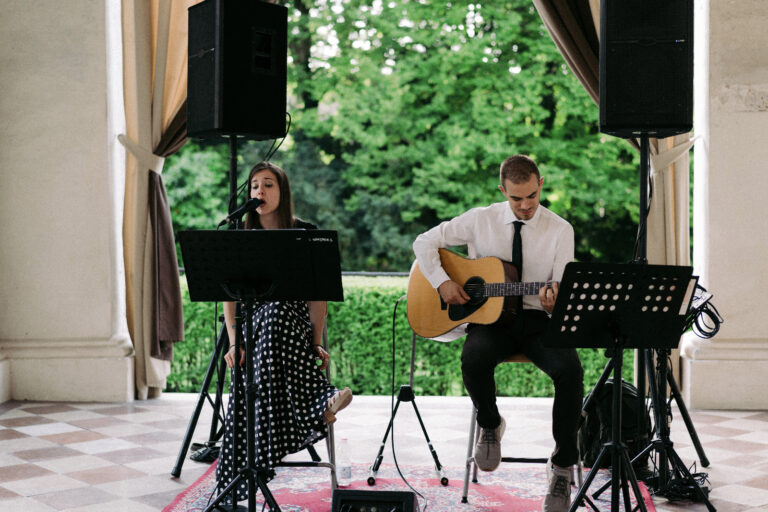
(547,246)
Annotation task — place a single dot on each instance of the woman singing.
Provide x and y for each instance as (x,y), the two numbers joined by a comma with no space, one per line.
(294,401)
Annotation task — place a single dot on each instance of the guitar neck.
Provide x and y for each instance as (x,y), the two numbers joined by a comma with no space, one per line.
(516,288)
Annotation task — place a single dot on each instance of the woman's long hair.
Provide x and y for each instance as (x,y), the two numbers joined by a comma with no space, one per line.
(284,209)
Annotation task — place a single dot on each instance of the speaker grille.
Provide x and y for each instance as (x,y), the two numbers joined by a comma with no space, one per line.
(239,87)
(646,67)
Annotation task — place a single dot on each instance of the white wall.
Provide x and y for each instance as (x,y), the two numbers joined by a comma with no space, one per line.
(730,206)
(62,326)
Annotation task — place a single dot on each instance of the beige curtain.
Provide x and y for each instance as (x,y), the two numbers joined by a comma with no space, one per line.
(155,82)
(669,214)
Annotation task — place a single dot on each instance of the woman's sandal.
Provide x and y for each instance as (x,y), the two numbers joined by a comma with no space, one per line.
(337,402)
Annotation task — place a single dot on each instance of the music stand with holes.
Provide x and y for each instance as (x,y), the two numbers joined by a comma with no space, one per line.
(257,265)
(613,306)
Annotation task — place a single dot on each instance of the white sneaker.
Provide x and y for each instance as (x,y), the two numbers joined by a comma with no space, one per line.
(558,497)
(488,447)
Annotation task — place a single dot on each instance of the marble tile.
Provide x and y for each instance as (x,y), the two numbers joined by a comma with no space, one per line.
(5,494)
(48,429)
(43,485)
(23,421)
(122,505)
(741,494)
(91,423)
(124,429)
(21,472)
(49,409)
(77,463)
(74,498)
(54,452)
(119,410)
(131,455)
(103,446)
(9,433)
(25,505)
(105,474)
(80,436)
(141,486)
(152,438)
(163,465)
(73,415)
(6,459)
(760,436)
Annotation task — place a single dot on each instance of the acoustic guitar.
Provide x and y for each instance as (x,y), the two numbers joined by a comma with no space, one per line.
(492,284)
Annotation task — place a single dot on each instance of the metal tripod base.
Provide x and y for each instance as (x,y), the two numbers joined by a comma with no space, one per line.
(670,465)
(405,395)
(218,413)
(255,479)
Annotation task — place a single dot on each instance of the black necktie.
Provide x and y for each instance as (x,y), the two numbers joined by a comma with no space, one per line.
(517,249)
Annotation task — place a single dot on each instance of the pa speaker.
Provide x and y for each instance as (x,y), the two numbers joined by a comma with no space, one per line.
(237,69)
(646,67)
(353,500)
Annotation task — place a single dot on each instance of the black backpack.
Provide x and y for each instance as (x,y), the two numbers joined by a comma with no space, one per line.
(596,428)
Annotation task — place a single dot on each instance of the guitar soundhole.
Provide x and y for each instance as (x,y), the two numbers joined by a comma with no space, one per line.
(475,288)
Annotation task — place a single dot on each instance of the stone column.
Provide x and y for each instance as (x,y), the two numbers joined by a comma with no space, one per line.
(63,332)
(730,237)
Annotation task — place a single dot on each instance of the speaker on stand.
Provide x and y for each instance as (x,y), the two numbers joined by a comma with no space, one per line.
(646,90)
(236,87)
(646,67)
(236,83)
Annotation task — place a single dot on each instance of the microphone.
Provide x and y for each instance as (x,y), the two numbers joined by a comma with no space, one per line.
(249,206)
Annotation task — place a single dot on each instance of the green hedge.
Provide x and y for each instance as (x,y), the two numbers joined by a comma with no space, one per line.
(360,342)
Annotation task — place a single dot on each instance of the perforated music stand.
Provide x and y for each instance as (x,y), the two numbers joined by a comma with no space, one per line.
(250,265)
(612,306)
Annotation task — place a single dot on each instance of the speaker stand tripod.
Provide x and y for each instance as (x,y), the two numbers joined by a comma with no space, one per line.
(670,466)
(210,446)
(405,394)
(622,473)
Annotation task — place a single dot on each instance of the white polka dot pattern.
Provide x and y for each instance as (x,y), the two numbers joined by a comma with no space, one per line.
(291,393)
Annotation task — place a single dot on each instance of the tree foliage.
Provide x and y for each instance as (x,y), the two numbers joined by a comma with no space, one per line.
(402,112)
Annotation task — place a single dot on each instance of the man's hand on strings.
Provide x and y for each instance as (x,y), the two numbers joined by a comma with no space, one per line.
(452,293)
(548,296)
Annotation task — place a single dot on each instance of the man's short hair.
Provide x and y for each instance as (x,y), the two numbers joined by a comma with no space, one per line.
(518,169)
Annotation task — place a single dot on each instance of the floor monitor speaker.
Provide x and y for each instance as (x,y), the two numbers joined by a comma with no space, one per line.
(237,69)
(646,67)
(354,500)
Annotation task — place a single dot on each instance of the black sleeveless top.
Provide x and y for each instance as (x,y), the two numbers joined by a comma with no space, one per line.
(301,224)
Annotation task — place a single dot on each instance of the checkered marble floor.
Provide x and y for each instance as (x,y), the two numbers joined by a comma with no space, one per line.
(80,457)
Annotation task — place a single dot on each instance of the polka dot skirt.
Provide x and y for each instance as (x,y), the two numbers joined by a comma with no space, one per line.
(291,393)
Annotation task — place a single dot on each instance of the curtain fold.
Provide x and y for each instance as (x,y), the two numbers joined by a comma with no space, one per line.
(572,26)
(154,78)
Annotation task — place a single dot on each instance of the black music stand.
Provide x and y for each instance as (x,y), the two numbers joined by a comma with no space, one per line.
(251,265)
(612,306)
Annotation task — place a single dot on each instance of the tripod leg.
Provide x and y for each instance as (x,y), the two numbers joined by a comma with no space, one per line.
(659,418)
(687,474)
(630,475)
(218,406)
(380,456)
(438,466)
(687,419)
(581,495)
(176,472)
(469,460)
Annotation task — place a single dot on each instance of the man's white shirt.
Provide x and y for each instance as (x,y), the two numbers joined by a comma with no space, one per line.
(547,243)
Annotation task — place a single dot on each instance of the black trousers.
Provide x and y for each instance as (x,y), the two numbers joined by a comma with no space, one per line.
(486,346)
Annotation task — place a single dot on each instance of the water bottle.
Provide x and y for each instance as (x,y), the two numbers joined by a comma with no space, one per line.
(343,465)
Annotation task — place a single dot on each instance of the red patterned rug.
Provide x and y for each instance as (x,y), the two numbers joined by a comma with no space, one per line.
(508,489)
